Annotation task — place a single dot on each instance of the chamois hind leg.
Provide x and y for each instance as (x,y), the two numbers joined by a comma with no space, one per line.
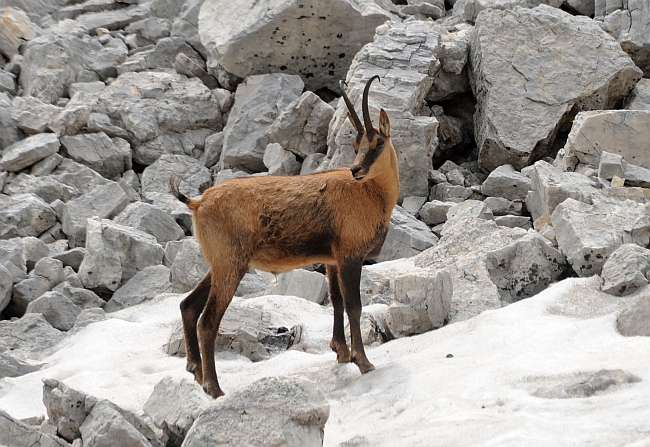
(338,343)
(225,280)
(191,308)
(350,278)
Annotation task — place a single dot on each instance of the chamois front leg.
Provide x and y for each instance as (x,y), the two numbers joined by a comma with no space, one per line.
(191,309)
(224,285)
(338,343)
(350,279)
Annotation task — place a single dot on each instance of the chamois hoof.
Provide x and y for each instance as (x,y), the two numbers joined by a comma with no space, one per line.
(213,391)
(364,366)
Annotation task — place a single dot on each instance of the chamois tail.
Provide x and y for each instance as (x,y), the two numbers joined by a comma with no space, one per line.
(174,185)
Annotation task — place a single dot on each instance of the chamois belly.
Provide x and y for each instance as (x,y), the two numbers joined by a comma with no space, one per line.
(287,253)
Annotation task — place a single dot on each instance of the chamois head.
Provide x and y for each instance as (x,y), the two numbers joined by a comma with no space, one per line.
(370,142)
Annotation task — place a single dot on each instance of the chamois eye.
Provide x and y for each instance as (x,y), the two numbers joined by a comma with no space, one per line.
(380,143)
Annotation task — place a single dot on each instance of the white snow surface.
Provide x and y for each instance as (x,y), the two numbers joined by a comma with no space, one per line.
(482,396)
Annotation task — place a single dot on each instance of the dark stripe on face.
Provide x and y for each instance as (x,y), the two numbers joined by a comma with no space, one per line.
(373,154)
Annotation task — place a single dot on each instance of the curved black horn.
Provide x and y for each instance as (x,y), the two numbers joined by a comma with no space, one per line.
(370,130)
(353,113)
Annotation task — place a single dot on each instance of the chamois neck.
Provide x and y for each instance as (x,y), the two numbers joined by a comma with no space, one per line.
(387,180)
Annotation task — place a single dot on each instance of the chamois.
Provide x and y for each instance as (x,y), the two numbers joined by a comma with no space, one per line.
(338,218)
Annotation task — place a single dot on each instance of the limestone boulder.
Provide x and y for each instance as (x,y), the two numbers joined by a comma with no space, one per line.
(422,302)
(626,270)
(258,102)
(279,411)
(406,237)
(188,267)
(587,234)
(98,152)
(506,182)
(398,48)
(15,432)
(26,152)
(635,320)
(521,108)
(618,132)
(104,201)
(115,254)
(174,406)
(31,334)
(279,161)
(316,41)
(626,21)
(57,309)
(80,177)
(302,283)
(47,188)
(462,251)
(155,178)
(24,215)
(640,97)
(551,186)
(145,285)
(301,127)
(9,131)
(152,220)
(525,267)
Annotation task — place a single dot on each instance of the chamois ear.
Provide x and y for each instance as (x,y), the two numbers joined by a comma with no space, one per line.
(353,124)
(384,124)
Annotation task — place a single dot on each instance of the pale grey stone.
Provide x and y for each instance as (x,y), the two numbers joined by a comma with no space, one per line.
(188,267)
(588,385)
(14,432)
(87,317)
(98,152)
(104,201)
(513,221)
(469,209)
(12,367)
(611,165)
(626,270)
(32,115)
(525,267)
(446,192)
(502,207)
(514,94)
(115,254)
(151,220)
(171,250)
(174,406)
(33,251)
(279,161)
(282,411)
(30,334)
(640,97)
(69,121)
(24,215)
(414,48)
(406,237)
(422,302)
(312,163)
(9,131)
(85,299)
(155,178)
(302,283)
(212,150)
(434,212)
(190,67)
(462,252)
(505,182)
(47,188)
(11,251)
(26,152)
(329,38)
(413,204)
(50,269)
(614,131)
(114,19)
(150,29)
(145,285)
(587,234)
(252,284)
(162,55)
(26,291)
(629,27)
(635,320)
(73,257)
(78,176)
(187,26)
(258,102)
(66,408)
(109,425)
(6,283)
(57,309)
(302,126)
(550,187)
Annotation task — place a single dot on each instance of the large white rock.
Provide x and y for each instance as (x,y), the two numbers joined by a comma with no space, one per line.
(626,270)
(530,69)
(115,254)
(588,234)
(26,152)
(275,411)
(24,215)
(406,237)
(258,102)
(621,132)
(302,283)
(405,56)
(316,40)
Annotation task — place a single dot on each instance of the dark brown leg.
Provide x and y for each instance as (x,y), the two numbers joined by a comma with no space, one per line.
(338,343)
(222,291)
(350,278)
(191,309)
